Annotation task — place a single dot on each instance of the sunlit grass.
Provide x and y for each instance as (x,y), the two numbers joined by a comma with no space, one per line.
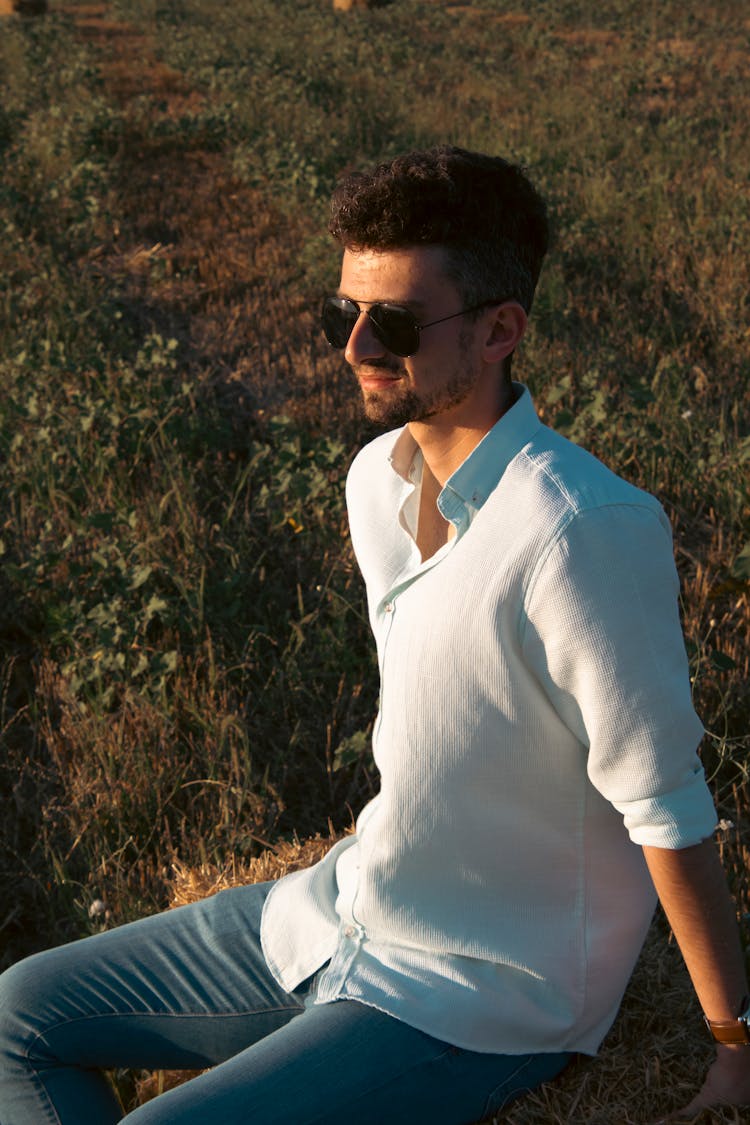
(183,637)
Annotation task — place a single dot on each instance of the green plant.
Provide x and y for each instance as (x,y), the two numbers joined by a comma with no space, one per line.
(186,665)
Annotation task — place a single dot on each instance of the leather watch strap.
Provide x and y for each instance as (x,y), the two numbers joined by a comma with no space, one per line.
(732,1031)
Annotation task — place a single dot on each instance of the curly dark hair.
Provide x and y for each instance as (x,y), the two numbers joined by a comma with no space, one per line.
(482,210)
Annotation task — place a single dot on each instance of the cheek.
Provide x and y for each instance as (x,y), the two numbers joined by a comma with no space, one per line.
(442,358)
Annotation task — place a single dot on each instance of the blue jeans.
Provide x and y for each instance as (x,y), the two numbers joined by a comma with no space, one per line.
(189,989)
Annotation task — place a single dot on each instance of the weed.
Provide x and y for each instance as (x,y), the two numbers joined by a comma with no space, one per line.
(186,665)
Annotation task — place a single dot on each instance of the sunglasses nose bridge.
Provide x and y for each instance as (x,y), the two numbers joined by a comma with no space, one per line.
(364,339)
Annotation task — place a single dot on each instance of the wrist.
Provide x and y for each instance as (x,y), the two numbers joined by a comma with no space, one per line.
(733,1034)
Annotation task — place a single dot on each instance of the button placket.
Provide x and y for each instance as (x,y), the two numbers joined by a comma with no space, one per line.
(332,979)
(353,933)
(388,612)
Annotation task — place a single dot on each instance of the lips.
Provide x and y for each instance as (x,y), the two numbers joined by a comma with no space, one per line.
(376,382)
(375,377)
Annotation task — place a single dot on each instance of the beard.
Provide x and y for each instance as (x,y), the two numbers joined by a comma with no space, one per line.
(401,403)
(393,409)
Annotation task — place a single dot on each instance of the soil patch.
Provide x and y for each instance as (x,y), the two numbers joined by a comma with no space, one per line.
(196,254)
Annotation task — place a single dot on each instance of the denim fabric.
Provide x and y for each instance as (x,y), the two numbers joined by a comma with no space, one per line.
(189,988)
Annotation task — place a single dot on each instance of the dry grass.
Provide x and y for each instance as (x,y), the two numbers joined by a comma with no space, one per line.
(197,250)
(189,884)
(23,7)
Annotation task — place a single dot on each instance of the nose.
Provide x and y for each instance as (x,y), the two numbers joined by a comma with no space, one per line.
(363,343)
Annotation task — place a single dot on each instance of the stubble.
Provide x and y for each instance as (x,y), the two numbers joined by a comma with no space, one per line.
(401,403)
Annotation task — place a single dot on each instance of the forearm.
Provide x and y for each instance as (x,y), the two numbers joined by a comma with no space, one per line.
(692,888)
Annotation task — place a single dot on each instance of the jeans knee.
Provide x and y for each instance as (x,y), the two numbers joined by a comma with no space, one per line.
(21,1006)
(12,994)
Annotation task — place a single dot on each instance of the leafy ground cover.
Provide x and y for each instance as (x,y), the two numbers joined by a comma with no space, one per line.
(185,662)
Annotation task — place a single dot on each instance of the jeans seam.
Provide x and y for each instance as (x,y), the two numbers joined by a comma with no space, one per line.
(27,1053)
(488,1106)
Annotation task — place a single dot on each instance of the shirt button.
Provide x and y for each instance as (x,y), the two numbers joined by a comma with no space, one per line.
(388,607)
(349,931)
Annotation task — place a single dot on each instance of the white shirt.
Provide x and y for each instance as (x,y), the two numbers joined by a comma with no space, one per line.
(535,726)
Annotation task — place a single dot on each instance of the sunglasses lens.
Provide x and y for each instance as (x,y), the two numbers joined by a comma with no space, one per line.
(396,329)
(338,317)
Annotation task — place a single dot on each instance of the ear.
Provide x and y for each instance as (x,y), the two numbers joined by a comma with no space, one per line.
(506,330)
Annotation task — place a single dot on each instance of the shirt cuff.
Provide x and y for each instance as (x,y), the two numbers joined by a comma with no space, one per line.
(678,819)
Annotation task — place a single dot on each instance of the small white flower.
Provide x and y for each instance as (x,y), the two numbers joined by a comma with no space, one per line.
(97,908)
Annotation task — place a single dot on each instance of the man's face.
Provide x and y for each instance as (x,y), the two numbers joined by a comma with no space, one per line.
(442,375)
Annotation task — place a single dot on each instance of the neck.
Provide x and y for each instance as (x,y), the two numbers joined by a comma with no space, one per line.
(447,439)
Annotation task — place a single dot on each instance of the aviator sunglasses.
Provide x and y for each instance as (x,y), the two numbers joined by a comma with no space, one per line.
(393,326)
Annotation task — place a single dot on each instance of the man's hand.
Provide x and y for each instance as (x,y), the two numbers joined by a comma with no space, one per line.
(727,1084)
(693,892)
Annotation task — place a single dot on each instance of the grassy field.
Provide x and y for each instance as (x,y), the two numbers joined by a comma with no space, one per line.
(186,667)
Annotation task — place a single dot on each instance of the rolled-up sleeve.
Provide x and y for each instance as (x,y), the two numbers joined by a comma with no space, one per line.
(603,636)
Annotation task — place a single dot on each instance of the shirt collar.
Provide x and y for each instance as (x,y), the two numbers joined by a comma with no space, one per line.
(477,476)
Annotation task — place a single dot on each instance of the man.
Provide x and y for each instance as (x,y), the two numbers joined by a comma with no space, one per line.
(535,738)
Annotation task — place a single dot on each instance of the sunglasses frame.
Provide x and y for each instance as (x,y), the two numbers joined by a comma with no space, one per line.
(340,305)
